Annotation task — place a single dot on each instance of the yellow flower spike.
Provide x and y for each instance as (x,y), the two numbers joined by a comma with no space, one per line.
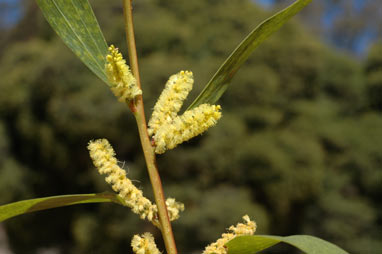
(166,128)
(182,128)
(144,244)
(171,100)
(103,157)
(124,86)
(217,247)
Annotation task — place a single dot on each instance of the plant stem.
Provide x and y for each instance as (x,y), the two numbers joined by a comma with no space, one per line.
(148,150)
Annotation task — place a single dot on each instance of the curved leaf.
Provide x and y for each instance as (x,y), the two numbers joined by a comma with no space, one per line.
(307,244)
(220,81)
(75,23)
(32,205)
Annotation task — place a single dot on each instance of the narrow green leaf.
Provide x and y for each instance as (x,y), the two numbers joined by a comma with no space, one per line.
(75,23)
(220,81)
(250,244)
(32,205)
(307,244)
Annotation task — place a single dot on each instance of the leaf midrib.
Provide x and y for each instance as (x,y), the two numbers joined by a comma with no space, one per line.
(89,33)
(78,37)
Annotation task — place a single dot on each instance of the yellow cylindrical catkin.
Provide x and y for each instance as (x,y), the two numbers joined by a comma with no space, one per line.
(182,128)
(171,99)
(217,247)
(103,157)
(123,83)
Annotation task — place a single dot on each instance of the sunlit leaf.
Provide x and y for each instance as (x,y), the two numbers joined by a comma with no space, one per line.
(307,244)
(32,205)
(220,81)
(75,23)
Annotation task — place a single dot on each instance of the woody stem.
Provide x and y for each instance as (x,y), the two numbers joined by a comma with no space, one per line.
(148,150)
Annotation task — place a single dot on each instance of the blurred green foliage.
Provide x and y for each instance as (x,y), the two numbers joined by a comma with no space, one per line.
(298,148)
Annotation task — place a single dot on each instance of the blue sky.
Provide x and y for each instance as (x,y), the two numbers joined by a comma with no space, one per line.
(10,15)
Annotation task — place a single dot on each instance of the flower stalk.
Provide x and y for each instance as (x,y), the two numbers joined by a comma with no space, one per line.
(137,108)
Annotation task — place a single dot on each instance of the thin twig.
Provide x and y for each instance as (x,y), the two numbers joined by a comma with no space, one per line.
(148,151)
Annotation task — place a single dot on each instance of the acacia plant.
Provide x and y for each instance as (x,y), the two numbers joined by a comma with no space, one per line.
(75,23)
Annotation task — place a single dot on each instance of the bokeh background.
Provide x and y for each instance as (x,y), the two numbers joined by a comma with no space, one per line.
(298,148)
